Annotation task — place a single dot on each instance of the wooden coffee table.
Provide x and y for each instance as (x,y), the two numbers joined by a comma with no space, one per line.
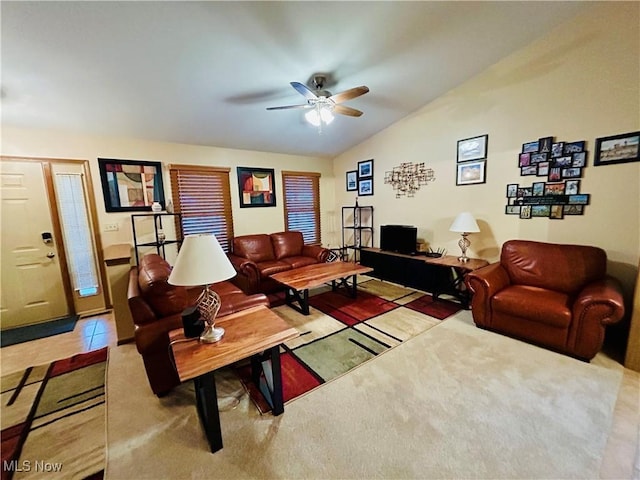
(299,280)
(257,333)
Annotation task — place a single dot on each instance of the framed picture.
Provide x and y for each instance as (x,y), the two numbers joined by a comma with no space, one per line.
(556,212)
(365,169)
(470,173)
(539,157)
(352,181)
(574,147)
(573,209)
(571,172)
(557,149)
(512,209)
(524,160)
(474,148)
(580,199)
(530,170)
(537,189)
(525,211)
(622,148)
(256,187)
(544,144)
(512,190)
(131,185)
(579,159)
(543,169)
(572,187)
(530,147)
(365,187)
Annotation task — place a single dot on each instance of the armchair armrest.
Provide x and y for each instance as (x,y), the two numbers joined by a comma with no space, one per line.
(598,304)
(600,301)
(484,283)
(315,251)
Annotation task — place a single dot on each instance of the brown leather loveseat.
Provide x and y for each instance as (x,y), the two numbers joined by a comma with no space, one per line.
(256,257)
(156,308)
(553,295)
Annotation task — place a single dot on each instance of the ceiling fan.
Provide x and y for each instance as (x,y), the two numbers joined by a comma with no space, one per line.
(322,104)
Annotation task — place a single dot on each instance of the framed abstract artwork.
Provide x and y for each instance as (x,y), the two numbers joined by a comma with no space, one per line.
(131,185)
(256,187)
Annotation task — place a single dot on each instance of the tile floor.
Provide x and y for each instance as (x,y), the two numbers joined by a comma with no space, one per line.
(90,333)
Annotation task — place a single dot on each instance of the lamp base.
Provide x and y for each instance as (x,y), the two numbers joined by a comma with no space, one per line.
(463,259)
(212,334)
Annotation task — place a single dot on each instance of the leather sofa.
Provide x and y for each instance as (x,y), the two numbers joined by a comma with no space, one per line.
(556,296)
(156,308)
(257,257)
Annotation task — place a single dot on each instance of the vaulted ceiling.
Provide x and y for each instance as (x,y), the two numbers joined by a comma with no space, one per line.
(205,72)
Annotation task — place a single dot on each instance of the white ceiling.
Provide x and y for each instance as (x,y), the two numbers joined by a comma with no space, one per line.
(204,72)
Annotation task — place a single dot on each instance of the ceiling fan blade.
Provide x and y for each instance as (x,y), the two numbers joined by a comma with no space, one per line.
(349,94)
(289,106)
(303,90)
(344,110)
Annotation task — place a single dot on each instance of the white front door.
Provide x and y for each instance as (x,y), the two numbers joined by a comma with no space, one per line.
(31,283)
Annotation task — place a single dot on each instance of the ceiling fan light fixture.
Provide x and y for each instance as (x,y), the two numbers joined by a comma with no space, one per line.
(313,117)
(326,116)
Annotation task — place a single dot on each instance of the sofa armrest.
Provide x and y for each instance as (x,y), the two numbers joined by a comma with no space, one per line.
(484,283)
(315,251)
(155,338)
(141,312)
(248,277)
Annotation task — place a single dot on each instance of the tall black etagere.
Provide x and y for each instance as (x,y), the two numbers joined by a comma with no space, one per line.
(357,231)
(159,241)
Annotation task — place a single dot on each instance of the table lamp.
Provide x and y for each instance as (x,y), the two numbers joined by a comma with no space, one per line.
(464,224)
(201,261)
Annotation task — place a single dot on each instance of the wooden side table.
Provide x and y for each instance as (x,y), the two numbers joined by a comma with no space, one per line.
(460,269)
(257,333)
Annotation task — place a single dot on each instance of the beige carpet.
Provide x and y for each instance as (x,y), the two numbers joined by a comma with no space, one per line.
(452,402)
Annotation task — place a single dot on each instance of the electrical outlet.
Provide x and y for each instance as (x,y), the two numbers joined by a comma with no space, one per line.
(111,227)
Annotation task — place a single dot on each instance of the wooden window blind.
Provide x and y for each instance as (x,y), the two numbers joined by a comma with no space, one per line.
(203,197)
(302,204)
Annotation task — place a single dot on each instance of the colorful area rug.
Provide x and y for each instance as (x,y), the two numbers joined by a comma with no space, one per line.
(53,419)
(16,335)
(342,332)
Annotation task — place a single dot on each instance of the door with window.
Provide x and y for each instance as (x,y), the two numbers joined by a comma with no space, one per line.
(36,268)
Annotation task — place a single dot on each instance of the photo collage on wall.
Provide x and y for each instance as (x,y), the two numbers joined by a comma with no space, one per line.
(561,163)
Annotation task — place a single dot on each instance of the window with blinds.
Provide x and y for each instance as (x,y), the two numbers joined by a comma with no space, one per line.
(203,198)
(302,204)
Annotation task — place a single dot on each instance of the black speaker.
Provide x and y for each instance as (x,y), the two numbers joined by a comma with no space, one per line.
(192,323)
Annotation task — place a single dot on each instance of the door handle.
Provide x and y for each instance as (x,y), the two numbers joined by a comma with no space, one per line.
(51,255)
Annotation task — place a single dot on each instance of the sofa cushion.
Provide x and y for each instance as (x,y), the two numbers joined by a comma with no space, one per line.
(163,298)
(551,308)
(287,244)
(275,266)
(256,248)
(297,262)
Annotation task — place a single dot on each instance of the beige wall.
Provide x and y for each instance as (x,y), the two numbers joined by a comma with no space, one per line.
(41,143)
(580,82)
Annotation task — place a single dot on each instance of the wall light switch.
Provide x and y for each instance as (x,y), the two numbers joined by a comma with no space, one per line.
(111,227)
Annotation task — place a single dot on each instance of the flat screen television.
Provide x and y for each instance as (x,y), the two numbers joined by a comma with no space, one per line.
(398,238)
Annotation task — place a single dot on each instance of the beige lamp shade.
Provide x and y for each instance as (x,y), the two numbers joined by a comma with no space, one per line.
(201,261)
(464,223)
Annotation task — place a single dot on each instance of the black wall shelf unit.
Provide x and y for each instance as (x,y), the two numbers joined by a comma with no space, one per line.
(159,241)
(357,231)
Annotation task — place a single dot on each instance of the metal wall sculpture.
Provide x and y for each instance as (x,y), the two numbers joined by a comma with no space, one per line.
(407,178)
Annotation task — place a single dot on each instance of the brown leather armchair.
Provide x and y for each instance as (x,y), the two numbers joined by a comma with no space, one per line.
(257,257)
(156,308)
(556,296)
